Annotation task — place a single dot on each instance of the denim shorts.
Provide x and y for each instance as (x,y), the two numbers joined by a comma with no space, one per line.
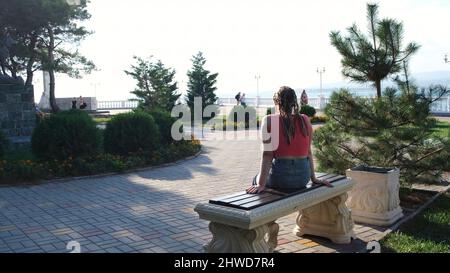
(288,174)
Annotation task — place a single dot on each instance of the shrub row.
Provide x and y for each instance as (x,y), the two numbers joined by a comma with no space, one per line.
(67,134)
(70,144)
(74,134)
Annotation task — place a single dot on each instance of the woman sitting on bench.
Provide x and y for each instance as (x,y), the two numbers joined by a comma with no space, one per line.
(287,161)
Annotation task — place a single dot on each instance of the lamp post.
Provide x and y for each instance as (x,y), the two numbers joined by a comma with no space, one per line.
(321,99)
(95,86)
(257,77)
(321,72)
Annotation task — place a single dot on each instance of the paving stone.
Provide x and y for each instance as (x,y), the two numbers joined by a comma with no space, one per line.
(148,211)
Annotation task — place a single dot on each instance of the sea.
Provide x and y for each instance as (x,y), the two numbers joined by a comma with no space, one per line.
(326,92)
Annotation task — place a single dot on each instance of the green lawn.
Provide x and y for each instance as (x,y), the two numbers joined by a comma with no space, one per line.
(428,232)
(101,120)
(442,129)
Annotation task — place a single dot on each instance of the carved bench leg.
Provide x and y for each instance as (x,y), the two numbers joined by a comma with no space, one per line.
(273,236)
(228,239)
(330,219)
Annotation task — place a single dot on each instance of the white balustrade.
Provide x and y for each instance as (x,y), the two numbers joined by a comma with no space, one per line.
(440,106)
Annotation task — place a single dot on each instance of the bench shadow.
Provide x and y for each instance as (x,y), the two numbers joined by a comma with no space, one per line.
(356,246)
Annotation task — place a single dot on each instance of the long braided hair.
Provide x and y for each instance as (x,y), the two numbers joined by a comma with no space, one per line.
(286,99)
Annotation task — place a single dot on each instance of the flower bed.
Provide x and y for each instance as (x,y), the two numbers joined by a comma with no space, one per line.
(25,170)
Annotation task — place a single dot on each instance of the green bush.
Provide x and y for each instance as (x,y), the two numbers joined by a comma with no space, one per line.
(165,122)
(131,133)
(308,110)
(270,111)
(67,134)
(320,119)
(241,114)
(3,144)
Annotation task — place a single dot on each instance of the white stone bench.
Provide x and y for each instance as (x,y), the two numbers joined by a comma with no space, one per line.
(239,227)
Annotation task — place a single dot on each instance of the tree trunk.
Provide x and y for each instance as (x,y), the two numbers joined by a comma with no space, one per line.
(51,71)
(53,105)
(378,86)
(31,61)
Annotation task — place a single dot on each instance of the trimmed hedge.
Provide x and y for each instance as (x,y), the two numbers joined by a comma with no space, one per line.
(66,134)
(320,119)
(308,110)
(165,122)
(270,111)
(131,133)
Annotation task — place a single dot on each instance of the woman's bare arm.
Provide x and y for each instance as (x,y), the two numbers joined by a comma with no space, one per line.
(311,159)
(266,161)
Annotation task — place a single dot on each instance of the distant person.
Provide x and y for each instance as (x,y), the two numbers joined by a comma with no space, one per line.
(74,103)
(38,111)
(243,100)
(238,98)
(304,98)
(83,104)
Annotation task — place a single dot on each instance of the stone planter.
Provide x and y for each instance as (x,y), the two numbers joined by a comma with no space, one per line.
(375,197)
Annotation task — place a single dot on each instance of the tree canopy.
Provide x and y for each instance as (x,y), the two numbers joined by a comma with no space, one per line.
(374,57)
(201,83)
(155,84)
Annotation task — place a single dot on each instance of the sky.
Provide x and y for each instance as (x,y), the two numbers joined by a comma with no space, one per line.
(283,41)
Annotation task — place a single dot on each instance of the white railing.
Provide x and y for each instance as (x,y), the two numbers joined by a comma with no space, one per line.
(318,103)
(440,106)
(117,105)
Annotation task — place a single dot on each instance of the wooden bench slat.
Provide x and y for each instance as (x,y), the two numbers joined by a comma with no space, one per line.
(337,178)
(239,198)
(255,198)
(319,175)
(328,176)
(258,203)
(230,196)
(245,201)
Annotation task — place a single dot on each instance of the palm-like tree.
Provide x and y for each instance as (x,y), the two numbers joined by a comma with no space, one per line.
(372,58)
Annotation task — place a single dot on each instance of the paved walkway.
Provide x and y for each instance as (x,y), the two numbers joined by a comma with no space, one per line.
(148,211)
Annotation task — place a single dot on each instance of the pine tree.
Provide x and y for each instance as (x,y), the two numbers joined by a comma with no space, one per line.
(156,86)
(201,83)
(47,33)
(396,130)
(373,58)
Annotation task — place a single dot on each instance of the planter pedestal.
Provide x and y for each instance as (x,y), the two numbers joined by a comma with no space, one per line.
(375,198)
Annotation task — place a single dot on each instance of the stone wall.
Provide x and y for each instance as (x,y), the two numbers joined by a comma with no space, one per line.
(17,112)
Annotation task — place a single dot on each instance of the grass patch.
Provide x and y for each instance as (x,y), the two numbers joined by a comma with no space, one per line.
(442,129)
(428,232)
(101,120)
